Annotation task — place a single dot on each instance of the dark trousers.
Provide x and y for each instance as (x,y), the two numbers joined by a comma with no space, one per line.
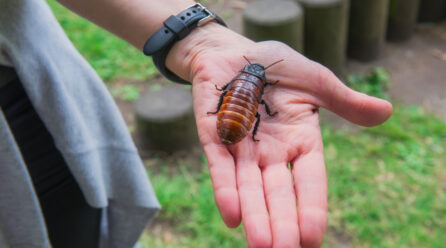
(70,221)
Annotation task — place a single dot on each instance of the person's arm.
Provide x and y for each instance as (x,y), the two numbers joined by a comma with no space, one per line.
(132,20)
(252,182)
(136,20)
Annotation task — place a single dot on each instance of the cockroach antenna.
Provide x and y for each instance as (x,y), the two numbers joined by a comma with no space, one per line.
(249,62)
(273,64)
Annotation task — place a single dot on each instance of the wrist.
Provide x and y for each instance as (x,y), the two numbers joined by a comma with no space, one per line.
(184,52)
(184,57)
(176,28)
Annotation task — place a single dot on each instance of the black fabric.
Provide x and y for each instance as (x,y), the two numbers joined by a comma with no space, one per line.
(70,221)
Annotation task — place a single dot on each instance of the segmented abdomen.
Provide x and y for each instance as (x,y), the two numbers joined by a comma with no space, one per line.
(239,109)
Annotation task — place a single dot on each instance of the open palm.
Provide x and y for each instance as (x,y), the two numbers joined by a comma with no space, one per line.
(252,180)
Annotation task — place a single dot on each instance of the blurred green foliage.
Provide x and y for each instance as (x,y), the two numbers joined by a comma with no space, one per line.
(127,92)
(110,56)
(374,83)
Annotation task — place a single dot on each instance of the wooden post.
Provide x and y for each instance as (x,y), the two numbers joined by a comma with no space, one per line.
(367,28)
(402,18)
(274,20)
(325,32)
(165,120)
(431,10)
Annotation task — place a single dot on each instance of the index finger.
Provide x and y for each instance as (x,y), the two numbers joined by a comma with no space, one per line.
(222,172)
(220,160)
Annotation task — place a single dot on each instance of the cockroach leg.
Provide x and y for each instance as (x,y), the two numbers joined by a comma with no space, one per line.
(220,102)
(254,132)
(271,84)
(268,111)
(224,87)
(219,89)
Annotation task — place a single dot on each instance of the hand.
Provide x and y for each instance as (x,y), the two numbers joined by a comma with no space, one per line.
(252,181)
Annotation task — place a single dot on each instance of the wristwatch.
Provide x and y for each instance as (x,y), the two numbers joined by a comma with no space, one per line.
(176,28)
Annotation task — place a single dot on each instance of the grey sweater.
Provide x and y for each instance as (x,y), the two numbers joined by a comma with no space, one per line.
(86,126)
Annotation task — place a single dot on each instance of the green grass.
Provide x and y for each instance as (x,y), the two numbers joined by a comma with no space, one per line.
(110,56)
(375,83)
(387,184)
(386,189)
(126,92)
(189,207)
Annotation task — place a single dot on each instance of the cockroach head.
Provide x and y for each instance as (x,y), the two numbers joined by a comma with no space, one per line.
(255,69)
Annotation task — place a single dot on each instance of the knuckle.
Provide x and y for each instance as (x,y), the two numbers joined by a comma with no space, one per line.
(251,187)
(279,193)
(285,234)
(324,75)
(260,242)
(285,245)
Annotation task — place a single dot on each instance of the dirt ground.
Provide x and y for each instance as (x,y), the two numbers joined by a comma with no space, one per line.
(417,71)
(417,68)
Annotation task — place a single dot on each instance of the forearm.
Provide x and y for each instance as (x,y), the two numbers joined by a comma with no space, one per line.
(136,20)
(132,20)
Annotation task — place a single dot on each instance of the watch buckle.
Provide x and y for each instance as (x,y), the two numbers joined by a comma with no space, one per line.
(210,16)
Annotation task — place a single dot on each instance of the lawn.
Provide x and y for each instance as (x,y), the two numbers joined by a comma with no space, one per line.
(387,184)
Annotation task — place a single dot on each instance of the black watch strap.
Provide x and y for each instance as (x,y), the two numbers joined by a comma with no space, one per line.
(176,28)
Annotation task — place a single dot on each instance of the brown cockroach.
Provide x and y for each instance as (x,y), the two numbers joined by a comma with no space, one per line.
(240,98)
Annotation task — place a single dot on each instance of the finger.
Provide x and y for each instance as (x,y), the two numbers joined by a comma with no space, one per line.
(220,160)
(356,107)
(311,187)
(222,172)
(281,202)
(252,200)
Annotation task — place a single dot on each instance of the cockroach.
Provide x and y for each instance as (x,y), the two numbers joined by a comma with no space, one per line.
(239,101)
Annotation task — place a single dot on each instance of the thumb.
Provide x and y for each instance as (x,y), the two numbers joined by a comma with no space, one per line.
(354,106)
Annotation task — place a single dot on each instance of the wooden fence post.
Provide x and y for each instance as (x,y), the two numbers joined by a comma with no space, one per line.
(274,20)
(325,32)
(165,120)
(402,18)
(367,28)
(431,10)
